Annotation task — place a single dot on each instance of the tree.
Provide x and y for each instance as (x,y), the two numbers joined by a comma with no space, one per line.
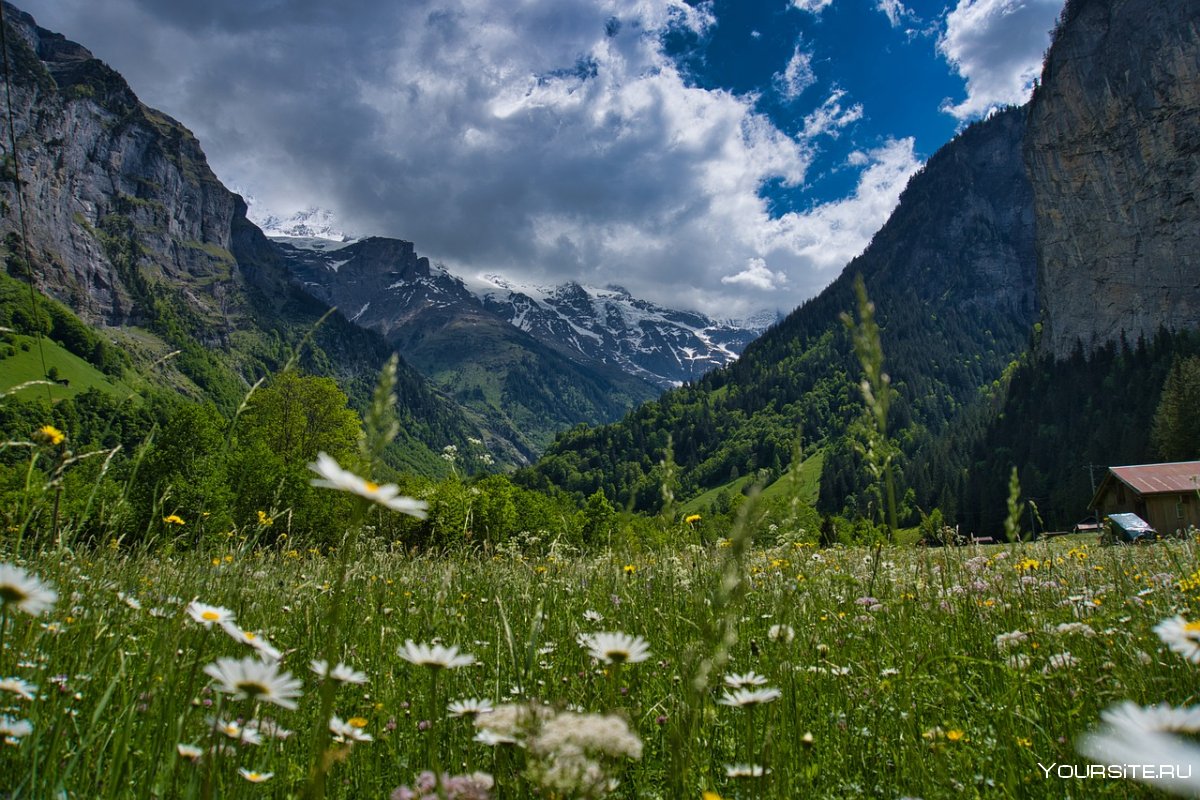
(285,426)
(1175,432)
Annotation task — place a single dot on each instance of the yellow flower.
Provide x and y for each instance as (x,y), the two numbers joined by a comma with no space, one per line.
(51,434)
(173,519)
(630,569)
(265,519)
(710,796)
(691,519)
(955,735)
(357,722)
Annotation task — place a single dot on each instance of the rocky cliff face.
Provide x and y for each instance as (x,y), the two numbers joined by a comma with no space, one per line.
(1113,152)
(102,172)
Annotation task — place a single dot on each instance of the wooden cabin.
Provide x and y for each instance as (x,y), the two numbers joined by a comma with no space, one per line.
(1165,495)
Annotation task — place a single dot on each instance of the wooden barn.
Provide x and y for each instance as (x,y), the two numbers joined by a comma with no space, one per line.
(1165,495)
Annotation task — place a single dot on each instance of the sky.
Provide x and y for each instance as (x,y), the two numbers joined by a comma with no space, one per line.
(726,156)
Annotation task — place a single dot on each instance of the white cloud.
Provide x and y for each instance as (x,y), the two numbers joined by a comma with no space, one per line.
(812,6)
(543,139)
(797,76)
(829,117)
(997,47)
(895,11)
(757,276)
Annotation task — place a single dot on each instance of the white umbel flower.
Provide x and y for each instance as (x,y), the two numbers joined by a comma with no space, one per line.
(25,592)
(341,673)
(14,728)
(388,494)
(254,679)
(616,648)
(745,771)
(435,656)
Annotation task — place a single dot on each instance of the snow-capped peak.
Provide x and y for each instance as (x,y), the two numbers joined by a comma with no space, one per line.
(309,223)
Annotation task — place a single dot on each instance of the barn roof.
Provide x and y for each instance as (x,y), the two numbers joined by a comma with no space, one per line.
(1181,476)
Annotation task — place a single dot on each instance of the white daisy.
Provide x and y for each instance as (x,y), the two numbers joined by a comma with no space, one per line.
(1162,718)
(593,616)
(11,728)
(233,730)
(751,678)
(208,615)
(1181,636)
(189,751)
(740,698)
(470,708)
(616,648)
(255,640)
(435,656)
(341,673)
(493,738)
(334,477)
(25,592)
(254,679)
(255,777)
(1121,746)
(745,771)
(18,687)
(346,732)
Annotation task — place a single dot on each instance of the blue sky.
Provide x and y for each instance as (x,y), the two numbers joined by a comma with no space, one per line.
(724,156)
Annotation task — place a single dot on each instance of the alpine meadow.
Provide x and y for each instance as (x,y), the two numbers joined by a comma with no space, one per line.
(789,399)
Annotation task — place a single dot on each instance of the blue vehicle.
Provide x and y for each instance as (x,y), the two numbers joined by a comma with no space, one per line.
(1127,529)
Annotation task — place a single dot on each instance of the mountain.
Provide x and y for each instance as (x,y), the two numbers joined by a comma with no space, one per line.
(311,223)
(126,224)
(664,346)
(1114,159)
(952,276)
(520,388)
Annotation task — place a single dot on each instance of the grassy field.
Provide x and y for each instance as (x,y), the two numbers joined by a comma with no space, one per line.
(879,673)
(26,365)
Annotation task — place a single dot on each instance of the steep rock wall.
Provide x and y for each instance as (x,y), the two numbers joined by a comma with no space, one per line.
(1113,152)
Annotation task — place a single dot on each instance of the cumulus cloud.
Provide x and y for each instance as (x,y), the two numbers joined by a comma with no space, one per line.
(542,139)
(830,117)
(812,6)
(997,47)
(797,76)
(757,275)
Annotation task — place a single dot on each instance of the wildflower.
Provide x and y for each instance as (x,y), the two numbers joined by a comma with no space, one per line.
(569,732)
(51,434)
(265,519)
(14,728)
(173,519)
(781,633)
(189,751)
(1181,636)
(593,616)
(476,786)
(745,771)
(253,639)
(1019,662)
(955,735)
(1162,718)
(741,698)
(257,680)
(255,777)
(1007,640)
(24,591)
(751,678)
(434,656)
(208,615)
(341,673)
(493,738)
(344,731)
(691,519)
(470,708)
(334,477)
(616,648)
(269,727)
(1059,661)
(629,569)
(18,687)
(1122,745)
(233,730)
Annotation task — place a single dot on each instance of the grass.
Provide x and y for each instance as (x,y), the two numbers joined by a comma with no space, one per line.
(905,693)
(26,365)
(809,477)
